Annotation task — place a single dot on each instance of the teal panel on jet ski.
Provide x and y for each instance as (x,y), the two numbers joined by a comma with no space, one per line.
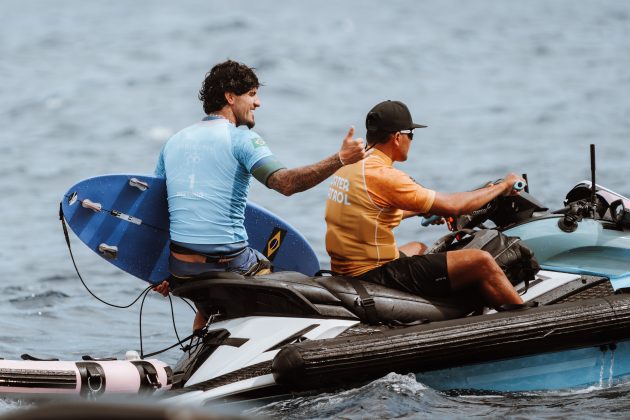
(621,282)
(591,249)
(594,366)
(124,219)
(617,281)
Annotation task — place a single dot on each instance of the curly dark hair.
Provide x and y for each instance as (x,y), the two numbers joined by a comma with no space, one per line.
(229,76)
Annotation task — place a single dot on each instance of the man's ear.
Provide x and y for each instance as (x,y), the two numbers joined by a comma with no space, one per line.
(396,138)
(229,97)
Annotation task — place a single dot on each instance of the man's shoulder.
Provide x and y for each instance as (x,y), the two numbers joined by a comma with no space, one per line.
(247,138)
(377,169)
(243,133)
(187,132)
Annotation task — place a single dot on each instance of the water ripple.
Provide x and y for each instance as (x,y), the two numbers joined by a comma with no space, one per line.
(400,396)
(39,300)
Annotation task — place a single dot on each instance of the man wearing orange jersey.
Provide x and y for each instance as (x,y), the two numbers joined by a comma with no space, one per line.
(369,198)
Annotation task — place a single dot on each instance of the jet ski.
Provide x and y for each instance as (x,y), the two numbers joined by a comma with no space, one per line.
(277,334)
(287,332)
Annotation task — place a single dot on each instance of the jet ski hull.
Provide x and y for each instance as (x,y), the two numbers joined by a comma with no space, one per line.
(446,344)
(600,366)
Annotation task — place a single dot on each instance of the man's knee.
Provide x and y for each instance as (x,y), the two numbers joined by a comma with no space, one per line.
(471,264)
(487,267)
(471,258)
(485,260)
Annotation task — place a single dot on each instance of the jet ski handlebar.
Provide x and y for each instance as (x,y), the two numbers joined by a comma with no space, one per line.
(518,186)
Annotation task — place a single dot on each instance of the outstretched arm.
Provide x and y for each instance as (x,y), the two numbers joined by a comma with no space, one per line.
(290,181)
(456,204)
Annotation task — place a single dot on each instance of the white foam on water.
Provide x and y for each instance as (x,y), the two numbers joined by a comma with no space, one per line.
(611,370)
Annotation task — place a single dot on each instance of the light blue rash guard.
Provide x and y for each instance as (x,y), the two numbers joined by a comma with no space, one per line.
(208,168)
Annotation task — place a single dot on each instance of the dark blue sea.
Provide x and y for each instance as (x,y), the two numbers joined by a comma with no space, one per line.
(95,87)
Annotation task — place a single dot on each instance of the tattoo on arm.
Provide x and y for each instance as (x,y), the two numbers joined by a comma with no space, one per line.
(290,181)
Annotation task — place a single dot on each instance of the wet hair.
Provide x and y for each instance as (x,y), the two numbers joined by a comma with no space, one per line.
(229,76)
(375,137)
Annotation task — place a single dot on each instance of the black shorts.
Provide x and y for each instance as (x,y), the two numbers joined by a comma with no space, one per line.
(418,274)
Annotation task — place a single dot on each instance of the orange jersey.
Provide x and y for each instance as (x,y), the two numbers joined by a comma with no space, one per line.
(365,202)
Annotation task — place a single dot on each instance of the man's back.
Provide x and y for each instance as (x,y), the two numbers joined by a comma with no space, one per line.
(363,207)
(207,171)
(208,168)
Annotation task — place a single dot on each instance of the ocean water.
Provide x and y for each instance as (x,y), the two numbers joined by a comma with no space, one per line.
(402,397)
(89,88)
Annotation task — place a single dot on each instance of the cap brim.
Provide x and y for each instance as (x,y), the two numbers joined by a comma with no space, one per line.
(414,125)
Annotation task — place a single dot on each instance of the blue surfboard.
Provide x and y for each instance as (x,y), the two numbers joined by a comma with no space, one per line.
(124,219)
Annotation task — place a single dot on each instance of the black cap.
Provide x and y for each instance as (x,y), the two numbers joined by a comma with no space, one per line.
(390,116)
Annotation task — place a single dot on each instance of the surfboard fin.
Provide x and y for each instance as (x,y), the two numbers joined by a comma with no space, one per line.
(108,251)
(88,204)
(141,185)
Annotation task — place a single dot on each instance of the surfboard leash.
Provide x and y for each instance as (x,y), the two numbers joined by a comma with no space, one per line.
(199,334)
(142,295)
(179,340)
(74,263)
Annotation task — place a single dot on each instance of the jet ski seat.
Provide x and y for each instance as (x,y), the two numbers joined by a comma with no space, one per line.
(293,294)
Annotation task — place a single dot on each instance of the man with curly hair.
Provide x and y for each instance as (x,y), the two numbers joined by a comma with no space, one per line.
(208,167)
